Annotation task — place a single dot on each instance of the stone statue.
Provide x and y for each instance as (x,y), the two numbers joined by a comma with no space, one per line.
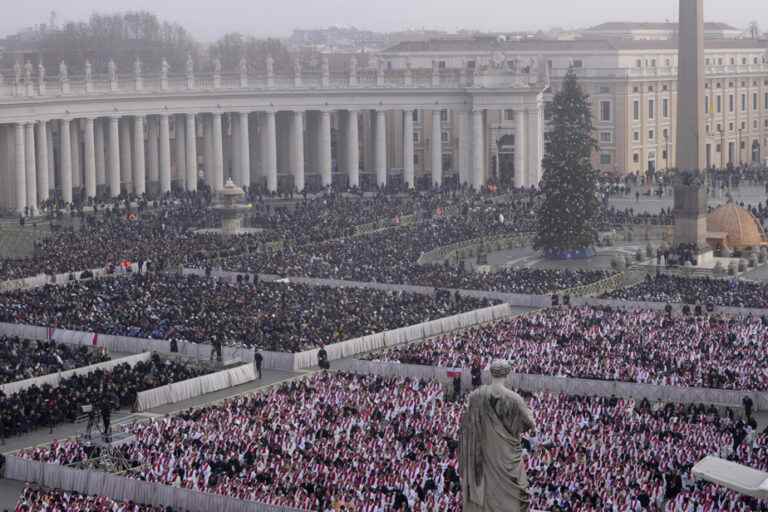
(190,66)
(270,65)
(88,71)
(493,476)
(112,70)
(137,68)
(63,73)
(164,68)
(353,66)
(325,66)
(243,66)
(41,72)
(297,66)
(17,72)
(217,66)
(28,71)
(533,67)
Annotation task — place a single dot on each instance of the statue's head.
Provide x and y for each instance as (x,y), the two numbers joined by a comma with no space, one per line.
(500,369)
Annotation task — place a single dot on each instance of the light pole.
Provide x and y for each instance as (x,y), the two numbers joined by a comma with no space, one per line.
(738,145)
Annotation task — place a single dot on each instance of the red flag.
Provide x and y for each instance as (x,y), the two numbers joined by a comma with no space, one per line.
(452,374)
(95,339)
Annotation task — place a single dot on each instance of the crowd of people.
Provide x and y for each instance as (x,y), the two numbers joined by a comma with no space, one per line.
(699,290)
(46,406)
(609,344)
(22,359)
(347,442)
(273,316)
(41,499)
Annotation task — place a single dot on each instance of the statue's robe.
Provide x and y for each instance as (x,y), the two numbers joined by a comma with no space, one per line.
(493,476)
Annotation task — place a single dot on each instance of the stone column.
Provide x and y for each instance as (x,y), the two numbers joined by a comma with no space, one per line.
(77,166)
(66,161)
(244,161)
(297,150)
(690,146)
(353,149)
(21,172)
(381,148)
(30,162)
(126,163)
(218,155)
(139,157)
(477,149)
(521,146)
(534,153)
(409,174)
(324,148)
(114,156)
(165,154)
(191,158)
(153,154)
(464,161)
(437,150)
(101,166)
(51,158)
(181,151)
(42,161)
(90,159)
(270,151)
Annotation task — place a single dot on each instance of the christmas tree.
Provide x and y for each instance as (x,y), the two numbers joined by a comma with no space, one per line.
(566,217)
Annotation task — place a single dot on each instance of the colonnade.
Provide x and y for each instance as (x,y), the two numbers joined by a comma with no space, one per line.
(109,155)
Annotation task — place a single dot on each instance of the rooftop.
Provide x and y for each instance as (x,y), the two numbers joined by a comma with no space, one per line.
(624,25)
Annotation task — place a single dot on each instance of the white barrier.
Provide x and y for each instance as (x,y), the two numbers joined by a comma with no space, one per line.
(54,379)
(123,488)
(124,344)
(349,348)
(567,385)
(192,388)
(39,280)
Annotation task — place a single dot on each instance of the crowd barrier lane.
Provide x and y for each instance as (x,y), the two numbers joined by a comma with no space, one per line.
(660,306)
(193,388)
(349,348)
(55,379)
(567,385)
(39,280)
(124,488)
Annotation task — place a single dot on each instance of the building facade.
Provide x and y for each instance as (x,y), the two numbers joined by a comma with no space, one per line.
(633,87)
(102,134)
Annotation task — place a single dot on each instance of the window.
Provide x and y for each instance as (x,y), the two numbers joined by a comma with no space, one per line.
(604,90)
(471,64)
(606,137)
(605,159)
(731,103)
(636,136)
(664,87)
(743,144)
(733,61)
(444,116)
(650,88)
(665,133)
(754,124)
(719,104)
(706,104)
(665,108)
(509,115)
(653,63)
(708,61)
(744,61)
(743,125)
(755,105)
(730,127)
(415,159)
(441,64)
(664,154)
(651,109)
(605,110)
(416,116)
(636,110)
(766,123)
(719,127)
(638,63)
(743,102)
(578,63)
(651,134)
(720,61)
(718,148)
(765,102)
(444,137)
(416,138)
(636,158)
(637,89)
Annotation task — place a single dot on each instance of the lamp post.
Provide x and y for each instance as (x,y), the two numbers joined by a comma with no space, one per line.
(738,145)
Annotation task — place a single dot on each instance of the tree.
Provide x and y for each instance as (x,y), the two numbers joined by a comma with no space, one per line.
(231,47)
(570,205)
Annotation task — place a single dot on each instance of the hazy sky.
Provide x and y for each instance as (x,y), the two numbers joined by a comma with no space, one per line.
(207,19)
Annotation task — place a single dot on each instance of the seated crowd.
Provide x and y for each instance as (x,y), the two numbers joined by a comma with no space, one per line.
(370,444)
(273,316)
(38,499)
(22,359)
(699,290)
(47,406)
(391,257)
(604,344)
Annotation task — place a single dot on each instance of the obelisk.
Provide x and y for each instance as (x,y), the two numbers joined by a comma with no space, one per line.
(690,203)
(690,87)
